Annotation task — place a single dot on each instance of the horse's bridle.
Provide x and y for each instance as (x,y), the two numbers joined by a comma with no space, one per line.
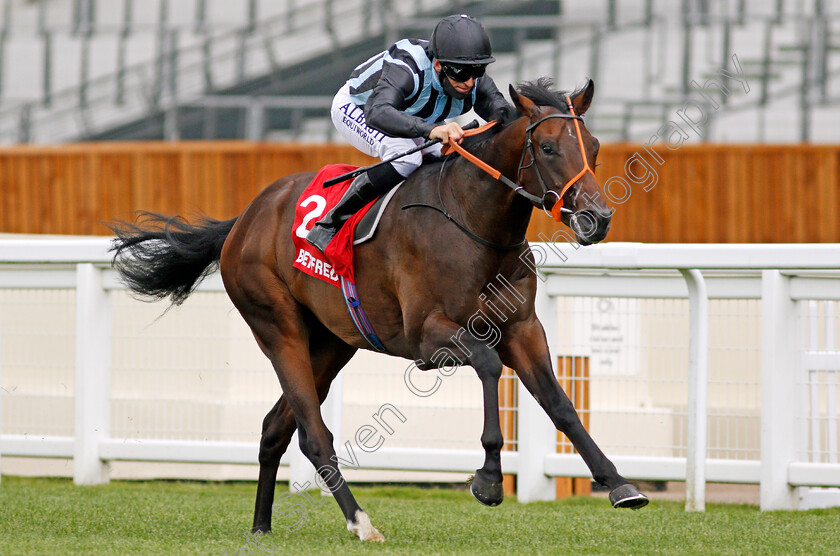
(528,150)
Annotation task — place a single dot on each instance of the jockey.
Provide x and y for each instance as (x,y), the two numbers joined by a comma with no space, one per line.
(400,98)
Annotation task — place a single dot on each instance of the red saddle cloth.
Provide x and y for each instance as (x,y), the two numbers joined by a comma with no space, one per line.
(314,203)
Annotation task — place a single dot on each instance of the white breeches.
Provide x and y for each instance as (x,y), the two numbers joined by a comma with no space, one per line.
(349,120)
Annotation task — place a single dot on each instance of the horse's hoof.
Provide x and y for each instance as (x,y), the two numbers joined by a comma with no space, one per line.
(628,496)
(261,530)
(487,492)
(364,529)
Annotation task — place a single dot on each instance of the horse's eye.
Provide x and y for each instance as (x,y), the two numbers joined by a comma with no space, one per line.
(546,149)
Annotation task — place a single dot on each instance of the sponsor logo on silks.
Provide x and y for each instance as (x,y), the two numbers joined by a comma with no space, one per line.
(316,265)
(354,119)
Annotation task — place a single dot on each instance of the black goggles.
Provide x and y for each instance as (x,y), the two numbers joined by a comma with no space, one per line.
(462,73)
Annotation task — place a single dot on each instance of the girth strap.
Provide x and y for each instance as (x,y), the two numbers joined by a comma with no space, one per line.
(360,318)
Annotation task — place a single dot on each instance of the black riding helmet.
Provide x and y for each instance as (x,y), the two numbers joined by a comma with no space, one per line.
(460,39)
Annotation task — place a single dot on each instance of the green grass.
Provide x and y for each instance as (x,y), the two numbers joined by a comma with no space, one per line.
(52,516)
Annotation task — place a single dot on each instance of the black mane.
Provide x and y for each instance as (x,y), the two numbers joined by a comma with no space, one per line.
(538,91)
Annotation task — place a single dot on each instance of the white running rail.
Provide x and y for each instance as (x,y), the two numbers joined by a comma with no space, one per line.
(777,276)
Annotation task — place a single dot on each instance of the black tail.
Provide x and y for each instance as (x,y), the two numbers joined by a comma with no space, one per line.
(162,256)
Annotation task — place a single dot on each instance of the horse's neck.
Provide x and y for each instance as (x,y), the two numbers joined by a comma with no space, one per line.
(488,207)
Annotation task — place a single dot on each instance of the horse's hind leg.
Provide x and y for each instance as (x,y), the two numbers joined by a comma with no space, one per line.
(316,441)
(279,424)
(282,328)
(278,427)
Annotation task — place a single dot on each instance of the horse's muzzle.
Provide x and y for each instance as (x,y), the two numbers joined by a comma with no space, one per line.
(589,226)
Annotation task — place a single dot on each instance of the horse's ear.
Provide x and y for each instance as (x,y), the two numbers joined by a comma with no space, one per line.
(525,105)
(582,98)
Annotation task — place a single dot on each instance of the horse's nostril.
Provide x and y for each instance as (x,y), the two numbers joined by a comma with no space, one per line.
(584,223)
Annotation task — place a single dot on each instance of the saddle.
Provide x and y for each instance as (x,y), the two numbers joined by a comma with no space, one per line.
(367,226)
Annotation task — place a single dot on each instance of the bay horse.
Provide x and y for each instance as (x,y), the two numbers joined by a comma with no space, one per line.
(421,279)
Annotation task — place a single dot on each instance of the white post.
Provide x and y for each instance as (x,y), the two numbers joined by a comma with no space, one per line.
(778,391)
(698,378)
(1,413)
(255,121)
(808,396)
(535,431)
(93,375)
(831,385)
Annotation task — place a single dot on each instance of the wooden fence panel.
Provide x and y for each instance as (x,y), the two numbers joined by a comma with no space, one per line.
(702,193)
(573,375)
(725,193)
(74,189)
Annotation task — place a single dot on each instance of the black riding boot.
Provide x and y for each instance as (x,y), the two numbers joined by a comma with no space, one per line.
(365,188)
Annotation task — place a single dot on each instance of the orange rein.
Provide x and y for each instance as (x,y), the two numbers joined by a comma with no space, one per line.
(449,148)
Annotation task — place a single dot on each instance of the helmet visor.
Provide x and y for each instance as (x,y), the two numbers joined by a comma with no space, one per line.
(461,72)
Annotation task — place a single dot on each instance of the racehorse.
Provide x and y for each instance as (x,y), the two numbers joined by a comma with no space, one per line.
(427,272)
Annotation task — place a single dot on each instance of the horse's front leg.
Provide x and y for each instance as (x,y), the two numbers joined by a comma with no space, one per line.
(487,484)
(524,349)
(438,334)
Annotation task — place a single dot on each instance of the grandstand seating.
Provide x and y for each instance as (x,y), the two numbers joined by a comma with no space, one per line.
(259,69)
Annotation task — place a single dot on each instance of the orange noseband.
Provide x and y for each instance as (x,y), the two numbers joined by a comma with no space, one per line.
(556,209)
